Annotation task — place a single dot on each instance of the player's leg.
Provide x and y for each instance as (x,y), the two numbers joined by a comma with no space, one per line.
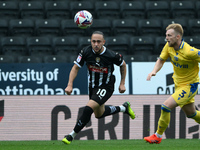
(98,97)
(82,121)
(128,110)
(163,122)
(101,96)
(189,107)
(191,112)
(183,96)
(107,110)
(99,111)
(164,119)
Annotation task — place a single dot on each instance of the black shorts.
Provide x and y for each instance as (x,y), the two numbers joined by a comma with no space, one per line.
(101,94)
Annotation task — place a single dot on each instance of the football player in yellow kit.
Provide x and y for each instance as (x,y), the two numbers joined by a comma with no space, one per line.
(184,59)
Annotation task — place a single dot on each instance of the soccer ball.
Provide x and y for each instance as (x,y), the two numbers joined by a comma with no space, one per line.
(83,19)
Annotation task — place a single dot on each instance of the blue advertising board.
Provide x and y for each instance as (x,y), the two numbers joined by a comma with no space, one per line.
(40,79)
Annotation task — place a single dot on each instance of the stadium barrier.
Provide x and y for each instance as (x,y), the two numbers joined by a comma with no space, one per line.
(52,117)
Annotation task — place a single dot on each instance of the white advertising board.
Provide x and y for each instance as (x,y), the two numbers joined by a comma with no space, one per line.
(162,83)
(52,117)
(118,79)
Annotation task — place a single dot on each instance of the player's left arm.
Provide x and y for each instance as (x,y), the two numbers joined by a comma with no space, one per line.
(122,87)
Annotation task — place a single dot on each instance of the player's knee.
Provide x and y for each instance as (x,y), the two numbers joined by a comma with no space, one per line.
(97,116)
(165,108)
(192,115)
(195,117)
(100,114)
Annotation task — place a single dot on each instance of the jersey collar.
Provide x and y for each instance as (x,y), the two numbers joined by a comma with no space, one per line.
(104,49)
(182,44)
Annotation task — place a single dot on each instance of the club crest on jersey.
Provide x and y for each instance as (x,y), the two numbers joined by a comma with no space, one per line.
(97,59)
(176,58)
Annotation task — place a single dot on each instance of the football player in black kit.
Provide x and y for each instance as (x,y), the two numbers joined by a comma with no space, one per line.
(100,63)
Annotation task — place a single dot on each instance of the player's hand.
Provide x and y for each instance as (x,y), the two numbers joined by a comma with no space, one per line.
(150,75)
(122,88)
(68,90)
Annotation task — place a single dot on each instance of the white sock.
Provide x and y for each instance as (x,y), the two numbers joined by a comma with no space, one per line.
(158,135)
(122,108)
(73,134)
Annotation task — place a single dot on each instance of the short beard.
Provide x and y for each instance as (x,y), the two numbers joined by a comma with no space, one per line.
(99,50)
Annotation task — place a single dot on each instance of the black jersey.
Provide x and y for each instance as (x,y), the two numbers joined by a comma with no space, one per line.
(100,66)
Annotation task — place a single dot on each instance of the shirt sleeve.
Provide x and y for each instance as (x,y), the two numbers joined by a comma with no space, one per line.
(80,59)
(194,54)
(118,60)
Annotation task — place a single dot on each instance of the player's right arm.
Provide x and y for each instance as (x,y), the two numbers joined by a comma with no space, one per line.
(72,76)
(159,63)
(157,67)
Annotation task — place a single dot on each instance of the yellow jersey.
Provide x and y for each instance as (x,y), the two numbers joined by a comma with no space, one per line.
(184,61)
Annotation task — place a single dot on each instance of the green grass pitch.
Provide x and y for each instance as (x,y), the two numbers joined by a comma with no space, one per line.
(166,144)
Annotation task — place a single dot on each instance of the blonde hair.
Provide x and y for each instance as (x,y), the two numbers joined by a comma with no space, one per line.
(177,28)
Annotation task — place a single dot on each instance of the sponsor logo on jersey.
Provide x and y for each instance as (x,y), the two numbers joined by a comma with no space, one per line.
(78,59)
(98,69)
(180,65)
(176,58)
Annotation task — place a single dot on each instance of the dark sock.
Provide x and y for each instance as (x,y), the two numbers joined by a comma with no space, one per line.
(110,110)
(84,119)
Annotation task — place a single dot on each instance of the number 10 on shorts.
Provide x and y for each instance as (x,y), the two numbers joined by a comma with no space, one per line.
(101,93)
